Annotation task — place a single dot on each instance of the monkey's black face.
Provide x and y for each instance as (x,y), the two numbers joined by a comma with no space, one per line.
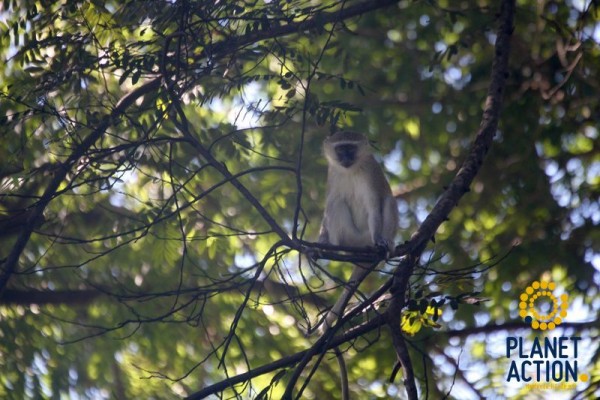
(346,154)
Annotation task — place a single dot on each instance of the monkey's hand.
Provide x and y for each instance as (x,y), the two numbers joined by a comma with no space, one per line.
(383,247)
(313,254)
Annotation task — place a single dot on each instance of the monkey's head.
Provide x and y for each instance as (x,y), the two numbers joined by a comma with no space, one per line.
(346,148)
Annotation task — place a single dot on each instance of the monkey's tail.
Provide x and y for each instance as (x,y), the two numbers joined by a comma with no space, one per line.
(343,374)
(359,273)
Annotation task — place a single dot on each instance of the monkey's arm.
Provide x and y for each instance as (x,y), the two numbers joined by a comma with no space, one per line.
(324,233)
(382,210)
(376,224)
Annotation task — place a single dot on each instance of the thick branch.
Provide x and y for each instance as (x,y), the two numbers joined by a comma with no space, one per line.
(230,45)
(483,141)
(393,315)
(41,297)
(450,198)
(11,224)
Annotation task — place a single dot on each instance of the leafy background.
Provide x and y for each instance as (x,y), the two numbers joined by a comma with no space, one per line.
(134,274)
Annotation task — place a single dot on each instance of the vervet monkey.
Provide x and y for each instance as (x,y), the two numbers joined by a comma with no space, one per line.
(360,209)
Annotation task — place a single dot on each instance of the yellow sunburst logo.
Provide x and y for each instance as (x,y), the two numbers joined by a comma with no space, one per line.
(537,293)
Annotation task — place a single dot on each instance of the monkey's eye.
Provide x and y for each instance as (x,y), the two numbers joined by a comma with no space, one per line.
(346,154)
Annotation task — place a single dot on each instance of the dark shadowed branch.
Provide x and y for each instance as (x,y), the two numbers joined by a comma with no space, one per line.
(457,188)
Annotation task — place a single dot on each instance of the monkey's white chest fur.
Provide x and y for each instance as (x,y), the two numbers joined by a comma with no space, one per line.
(351,209)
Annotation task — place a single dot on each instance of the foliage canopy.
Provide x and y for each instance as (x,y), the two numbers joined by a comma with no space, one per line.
(161,175)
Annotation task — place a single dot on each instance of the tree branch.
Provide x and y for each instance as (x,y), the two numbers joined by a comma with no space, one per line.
(511,326)
(287,361)
(60,174)
(393,314)
(184,127)
(41,297)
(458,187)
(352,334)
(230,45)
(483,141)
